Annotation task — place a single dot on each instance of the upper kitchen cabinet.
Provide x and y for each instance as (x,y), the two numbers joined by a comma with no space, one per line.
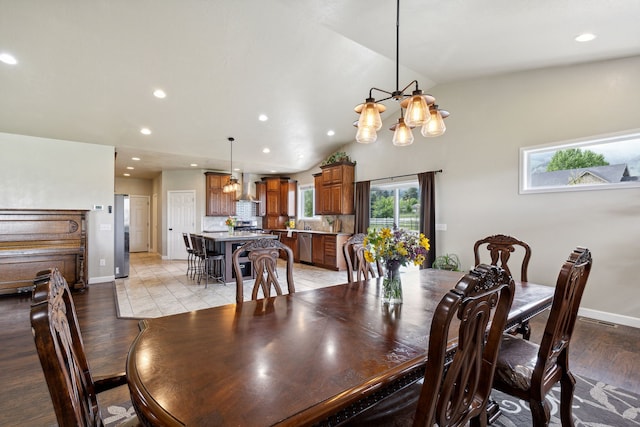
(334,189)
(219,203)
(261,196)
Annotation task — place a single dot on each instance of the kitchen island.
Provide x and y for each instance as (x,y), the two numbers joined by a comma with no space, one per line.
(225,243)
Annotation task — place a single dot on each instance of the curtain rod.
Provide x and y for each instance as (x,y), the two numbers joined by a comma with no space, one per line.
(402,176)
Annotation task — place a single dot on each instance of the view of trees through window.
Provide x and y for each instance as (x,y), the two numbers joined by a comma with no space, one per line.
(397,203)
(306,201)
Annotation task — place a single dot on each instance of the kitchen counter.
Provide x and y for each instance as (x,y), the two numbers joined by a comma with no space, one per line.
(224,243)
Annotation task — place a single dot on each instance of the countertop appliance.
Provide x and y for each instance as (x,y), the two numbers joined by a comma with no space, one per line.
(304,243)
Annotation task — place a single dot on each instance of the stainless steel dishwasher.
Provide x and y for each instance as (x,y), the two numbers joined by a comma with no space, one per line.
(304,242)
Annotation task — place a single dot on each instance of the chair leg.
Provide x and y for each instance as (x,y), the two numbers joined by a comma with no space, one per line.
(540,413)
(567,388)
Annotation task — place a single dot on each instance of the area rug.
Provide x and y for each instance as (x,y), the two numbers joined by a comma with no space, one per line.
(595,404)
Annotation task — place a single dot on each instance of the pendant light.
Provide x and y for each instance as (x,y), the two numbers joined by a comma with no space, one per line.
(420,109)
(232,186)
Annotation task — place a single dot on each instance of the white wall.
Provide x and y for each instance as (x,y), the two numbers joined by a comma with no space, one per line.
(43,173)
(477,193)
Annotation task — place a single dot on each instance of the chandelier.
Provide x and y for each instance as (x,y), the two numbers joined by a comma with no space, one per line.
(416,109)
(232,186)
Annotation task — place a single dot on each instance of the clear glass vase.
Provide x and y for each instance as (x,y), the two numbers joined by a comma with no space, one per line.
(392,284)
(230,230)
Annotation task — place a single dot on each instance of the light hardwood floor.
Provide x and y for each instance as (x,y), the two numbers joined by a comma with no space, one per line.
(598,351)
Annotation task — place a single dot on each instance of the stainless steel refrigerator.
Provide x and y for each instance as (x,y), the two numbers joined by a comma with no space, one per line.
(121,232)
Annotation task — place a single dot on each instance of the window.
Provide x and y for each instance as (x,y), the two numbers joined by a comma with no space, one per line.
(609,161)
(395,203)
(306,202)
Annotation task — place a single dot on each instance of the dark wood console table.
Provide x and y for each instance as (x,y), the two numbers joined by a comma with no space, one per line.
(35,240)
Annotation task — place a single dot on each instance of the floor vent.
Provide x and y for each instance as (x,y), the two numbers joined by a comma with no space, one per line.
(598,322)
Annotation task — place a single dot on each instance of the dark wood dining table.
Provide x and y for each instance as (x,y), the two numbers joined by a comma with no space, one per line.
(310,358)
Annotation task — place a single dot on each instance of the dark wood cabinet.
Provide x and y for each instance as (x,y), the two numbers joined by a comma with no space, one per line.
(218,202)
(334,189)
(281,194)
(292,242)
(261,196)
(327,251)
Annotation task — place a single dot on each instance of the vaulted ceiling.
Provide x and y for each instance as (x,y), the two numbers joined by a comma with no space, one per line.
(87,70)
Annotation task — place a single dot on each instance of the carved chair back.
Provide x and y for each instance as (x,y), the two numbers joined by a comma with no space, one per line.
(61,351)
(539,371)
(500,248)
(264,254)
(481,301)
(353,250)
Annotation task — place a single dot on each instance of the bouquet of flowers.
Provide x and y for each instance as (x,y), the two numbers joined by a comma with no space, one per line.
(395,246)
(230,222)
(291,223)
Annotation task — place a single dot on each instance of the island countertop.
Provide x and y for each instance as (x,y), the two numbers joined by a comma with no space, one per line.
(237,236)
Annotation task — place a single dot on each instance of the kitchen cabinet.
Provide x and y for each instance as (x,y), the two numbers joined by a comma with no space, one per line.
(327,251)
(219,203)
(334,189)
(292,242)
(261,196)
(280,201)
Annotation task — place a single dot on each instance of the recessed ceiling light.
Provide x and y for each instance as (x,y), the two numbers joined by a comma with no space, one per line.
(331,133)
(136,159)
(263,117)
(266,150)
(145,131)
(586,37)
(274,171)
(193,165)
(301,156)
(159,93)
(126,174)
(236,169)
(7,58)
(130,168)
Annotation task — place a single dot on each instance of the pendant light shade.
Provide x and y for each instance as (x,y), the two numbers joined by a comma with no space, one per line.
(435,126)
(366,135)
(370,114)
(402,135)
(417,110)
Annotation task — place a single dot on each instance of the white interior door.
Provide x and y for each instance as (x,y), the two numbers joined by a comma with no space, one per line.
(181,218)
(139,223)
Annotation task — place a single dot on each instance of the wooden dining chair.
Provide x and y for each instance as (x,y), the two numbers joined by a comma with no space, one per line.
(500,248)
(455,388)
(59,344)
(353,251)
(528,371)
(264,254)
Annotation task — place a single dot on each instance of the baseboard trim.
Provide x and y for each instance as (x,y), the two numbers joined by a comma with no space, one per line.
(104,279)
(619,319)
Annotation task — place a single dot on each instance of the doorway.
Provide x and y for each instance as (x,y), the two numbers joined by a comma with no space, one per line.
(139,223)
(181,218)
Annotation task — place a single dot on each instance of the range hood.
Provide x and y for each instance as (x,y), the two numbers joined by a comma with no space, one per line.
(248,188)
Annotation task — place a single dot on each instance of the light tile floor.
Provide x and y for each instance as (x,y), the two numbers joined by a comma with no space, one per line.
(157,288)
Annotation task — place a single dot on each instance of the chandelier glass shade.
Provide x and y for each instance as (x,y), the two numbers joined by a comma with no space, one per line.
(419,110)
(232,186)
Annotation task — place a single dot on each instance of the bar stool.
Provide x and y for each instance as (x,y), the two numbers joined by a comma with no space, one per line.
(213,265)
(190,253)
